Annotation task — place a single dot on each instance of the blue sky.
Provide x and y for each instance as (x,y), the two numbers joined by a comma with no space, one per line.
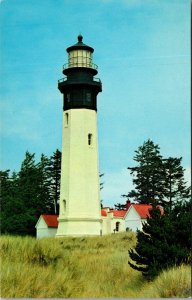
(142,49)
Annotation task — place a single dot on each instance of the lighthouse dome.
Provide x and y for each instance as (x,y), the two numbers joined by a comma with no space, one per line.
(80,45)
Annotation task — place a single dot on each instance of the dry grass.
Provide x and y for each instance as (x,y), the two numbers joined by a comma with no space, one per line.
(174,283)
(90,267)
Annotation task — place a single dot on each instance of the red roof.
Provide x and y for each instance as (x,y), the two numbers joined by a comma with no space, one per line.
(118,213)
(103,213)
(143,209)
(51,220)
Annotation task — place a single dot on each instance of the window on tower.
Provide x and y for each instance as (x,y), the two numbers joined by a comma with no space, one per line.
(64,205)
(66,119)
(68,97)
(88,97)
(90,139)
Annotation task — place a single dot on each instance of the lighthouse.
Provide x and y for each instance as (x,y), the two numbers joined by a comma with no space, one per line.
(79,207)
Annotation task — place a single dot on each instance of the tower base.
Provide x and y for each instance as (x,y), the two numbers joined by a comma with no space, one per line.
(79,227)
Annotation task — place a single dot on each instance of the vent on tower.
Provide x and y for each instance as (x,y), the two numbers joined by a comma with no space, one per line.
(90,138)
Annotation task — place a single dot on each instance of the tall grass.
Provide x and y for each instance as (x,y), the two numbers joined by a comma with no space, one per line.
(88,267)
(174,283)
(30,250)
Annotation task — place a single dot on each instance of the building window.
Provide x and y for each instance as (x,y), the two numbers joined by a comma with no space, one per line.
(88,97)
(64,205)
(68,97)
(90,139)
(117,226)
(66,119)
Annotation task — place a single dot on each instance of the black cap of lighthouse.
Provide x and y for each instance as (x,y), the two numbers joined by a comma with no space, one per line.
(80,87)
(80,45)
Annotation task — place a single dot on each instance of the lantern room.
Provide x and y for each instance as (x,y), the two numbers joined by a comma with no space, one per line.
(80,55)
(80,87)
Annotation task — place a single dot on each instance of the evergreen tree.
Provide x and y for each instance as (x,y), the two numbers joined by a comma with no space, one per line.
(44,189)
(147,175)
(30,184)
(5,185)
(164,242)
(25,196)
(6,193)
(175,186)
(28,179)
(29,193)
(14,215)
(157,180)
(120,206)
(35,185)
(54,175)
(181,218)
(33,191)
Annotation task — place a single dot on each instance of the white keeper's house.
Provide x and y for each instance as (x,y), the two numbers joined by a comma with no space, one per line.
(131,218)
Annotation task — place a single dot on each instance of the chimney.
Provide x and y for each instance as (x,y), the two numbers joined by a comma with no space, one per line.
(128,204)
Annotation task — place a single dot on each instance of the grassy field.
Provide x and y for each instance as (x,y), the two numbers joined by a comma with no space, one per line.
(91,267)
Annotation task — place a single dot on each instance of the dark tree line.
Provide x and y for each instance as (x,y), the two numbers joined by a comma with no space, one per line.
(32,191)
(27,194)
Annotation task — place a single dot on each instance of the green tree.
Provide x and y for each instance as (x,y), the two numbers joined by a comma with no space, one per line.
(54,179)
(175,185)
(164,242)
(25,196)
(148,175)
(15,218)
(43,195)
(6,185)
(120,206)
(157,180)
(35,184)
(30,184)
(6,193)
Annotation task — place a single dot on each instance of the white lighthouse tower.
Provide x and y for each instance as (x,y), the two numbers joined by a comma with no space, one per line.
(80,212)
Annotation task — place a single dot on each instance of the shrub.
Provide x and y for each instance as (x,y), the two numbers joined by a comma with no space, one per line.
(164,241)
